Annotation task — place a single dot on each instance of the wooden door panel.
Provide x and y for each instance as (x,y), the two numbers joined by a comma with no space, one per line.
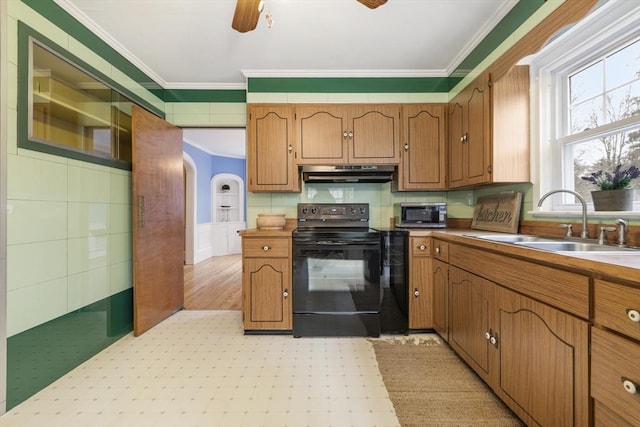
(376,134)
(271,149)
(441,298)
(543,361)
(266,281)
(158,218)
(455,145)
(470,319)
(479,124)
(424,159)
(420,305)
(320,135)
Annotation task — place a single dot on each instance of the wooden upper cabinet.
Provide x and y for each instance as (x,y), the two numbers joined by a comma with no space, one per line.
(348,134)
(423,153)
(271,149)
(470,135)
(489,131)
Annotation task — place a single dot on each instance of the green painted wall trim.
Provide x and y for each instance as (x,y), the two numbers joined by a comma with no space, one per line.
(202,95)
(516,17)
(348,84)
(63,20)
(39,356)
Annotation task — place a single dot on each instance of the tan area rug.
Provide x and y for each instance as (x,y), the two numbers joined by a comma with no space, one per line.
(430,386)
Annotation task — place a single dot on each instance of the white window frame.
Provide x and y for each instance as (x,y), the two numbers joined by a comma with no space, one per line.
(612,25)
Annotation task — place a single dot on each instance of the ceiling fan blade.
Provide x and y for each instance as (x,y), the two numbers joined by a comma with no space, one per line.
(372,4)
(245,17)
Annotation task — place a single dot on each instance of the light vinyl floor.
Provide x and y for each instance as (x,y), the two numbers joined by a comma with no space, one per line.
(197,368)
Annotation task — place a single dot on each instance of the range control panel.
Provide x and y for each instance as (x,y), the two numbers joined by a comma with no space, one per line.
(330,213)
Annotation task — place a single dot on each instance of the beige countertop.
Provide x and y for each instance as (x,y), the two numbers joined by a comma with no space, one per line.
(623,266)
(619,265)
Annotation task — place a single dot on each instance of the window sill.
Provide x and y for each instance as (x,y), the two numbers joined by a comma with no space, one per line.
(590,214)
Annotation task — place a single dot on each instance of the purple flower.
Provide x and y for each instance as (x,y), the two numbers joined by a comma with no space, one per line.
(619,180)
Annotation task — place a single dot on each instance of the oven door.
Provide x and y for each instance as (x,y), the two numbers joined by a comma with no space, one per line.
(336,276)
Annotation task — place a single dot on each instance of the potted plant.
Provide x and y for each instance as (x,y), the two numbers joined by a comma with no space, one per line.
(614,193)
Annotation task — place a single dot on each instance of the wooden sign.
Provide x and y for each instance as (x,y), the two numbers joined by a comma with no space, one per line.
(499,212)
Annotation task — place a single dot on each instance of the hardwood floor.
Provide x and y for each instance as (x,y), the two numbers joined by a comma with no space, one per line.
(214,284)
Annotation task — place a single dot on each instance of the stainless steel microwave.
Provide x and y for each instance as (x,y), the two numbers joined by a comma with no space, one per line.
(424,215)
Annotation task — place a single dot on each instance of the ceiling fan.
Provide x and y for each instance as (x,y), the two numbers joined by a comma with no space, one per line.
(245,17)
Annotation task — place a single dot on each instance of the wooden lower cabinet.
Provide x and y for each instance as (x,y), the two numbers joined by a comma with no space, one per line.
(440,280)
(615,354)
(471,307)
(266,283)
(420,285)
(544,362)
(532,355)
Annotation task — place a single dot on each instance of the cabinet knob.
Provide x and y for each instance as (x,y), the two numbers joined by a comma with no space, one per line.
(422,247)
(350,134)
(290,148)
(487,335)
(265,248)
(438,250)
(629,386)
(493,340)
(416,293)
(344,134)
(285,293)
(406,147)
(634,315)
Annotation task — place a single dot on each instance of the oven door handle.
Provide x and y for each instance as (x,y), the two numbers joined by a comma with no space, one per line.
(349,242)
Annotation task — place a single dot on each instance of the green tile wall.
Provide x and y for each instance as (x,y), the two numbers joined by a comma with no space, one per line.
(42,354)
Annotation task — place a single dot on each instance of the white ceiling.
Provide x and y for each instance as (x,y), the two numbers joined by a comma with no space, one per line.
(190,43)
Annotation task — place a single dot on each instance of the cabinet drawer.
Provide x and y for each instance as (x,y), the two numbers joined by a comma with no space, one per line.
(265,247)
(617,307)
(420,246)
(605,417)
(441,250)
(614,360)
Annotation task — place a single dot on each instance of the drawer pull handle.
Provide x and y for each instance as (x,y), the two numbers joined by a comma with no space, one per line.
(634,315)
(438,250)
(265,248)
(422,247)
(629,386)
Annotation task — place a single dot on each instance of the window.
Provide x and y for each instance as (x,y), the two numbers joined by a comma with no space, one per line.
(590,101)
(72,110)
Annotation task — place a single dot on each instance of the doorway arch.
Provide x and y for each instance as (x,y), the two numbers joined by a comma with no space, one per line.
(190,203)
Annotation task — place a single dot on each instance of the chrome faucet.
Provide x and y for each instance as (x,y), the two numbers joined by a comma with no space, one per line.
(584,234)
(622,231)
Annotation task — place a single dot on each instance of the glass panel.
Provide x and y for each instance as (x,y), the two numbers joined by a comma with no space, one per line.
(605,154)
(587,83)
(622,66)
(72,109)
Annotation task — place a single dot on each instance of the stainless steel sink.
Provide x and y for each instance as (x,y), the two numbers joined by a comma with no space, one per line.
(511,238)
(565,246)
(554,245)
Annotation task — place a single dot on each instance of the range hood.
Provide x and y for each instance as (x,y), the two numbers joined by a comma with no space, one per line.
(348,173)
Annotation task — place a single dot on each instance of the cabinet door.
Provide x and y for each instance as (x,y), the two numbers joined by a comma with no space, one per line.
(441,298)
(322,134)
(471,308)
(420,286)
(477,146)
(271,149)
(544,358)
(423,161)
(374,134)
(266,288)
(456,143)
